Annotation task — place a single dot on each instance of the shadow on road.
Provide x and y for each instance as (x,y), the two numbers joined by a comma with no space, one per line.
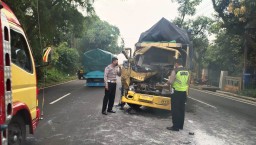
(148,112)
(156,113)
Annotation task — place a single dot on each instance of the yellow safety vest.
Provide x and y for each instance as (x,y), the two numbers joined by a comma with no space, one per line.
(181,80)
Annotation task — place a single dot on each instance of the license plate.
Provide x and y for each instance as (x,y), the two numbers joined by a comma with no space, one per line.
(146,98)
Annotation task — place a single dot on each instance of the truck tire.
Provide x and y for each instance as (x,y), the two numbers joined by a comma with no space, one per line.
(17,131)
(134,106)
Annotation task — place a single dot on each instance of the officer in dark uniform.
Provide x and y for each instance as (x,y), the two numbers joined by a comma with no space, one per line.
(179,80)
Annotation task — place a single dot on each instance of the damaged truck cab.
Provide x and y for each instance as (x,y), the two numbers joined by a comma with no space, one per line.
(145,76)
(147,71)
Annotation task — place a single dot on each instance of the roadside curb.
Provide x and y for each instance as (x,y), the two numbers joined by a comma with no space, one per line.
(207,88)
(57,84)
(227,93)
(238,96)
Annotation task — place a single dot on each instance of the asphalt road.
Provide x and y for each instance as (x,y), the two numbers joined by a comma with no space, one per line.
(72,116)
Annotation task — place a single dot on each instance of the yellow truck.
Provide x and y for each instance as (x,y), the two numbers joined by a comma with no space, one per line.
(146,72)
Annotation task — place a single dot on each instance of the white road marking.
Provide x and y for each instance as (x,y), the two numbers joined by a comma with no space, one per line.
(203,103)
(60,98)
(228,97)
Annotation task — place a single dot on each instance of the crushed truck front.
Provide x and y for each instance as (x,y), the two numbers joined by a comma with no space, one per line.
(145,75)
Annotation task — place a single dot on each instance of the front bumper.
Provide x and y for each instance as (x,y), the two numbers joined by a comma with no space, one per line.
(159,102)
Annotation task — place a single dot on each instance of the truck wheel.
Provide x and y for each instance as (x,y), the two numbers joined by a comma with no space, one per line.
(134,106)
(17,131)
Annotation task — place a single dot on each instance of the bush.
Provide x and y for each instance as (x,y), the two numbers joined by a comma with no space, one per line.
(249,93)
(65,59)
(54,76)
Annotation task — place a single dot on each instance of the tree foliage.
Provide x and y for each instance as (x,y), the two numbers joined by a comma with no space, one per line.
(236,14)
(65,59)
(60,24)
(239,18)
(100,34)
(225,53)
(58,20)
(199,36)
(187,7)
(198,30)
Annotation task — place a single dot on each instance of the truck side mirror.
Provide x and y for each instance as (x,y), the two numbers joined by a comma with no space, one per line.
(126,51)
(47,57)
(125,54)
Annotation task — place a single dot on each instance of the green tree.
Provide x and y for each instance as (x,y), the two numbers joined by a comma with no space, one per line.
(225,53)
(187,7)
(100,34)
(199,37)
(198,28)
(59,21)
(235,14)
(239,18)
(65,59)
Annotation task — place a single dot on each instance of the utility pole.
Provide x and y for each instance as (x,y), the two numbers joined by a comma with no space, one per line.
(250,35)
(245,62)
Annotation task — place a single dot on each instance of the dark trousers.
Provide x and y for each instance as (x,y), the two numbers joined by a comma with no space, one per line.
(109,97)
(178,109)
(121,104)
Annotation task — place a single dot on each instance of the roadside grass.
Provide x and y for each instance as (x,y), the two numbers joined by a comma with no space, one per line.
(53,77)
(248,92)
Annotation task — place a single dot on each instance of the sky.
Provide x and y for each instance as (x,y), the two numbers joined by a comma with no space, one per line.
(133,17)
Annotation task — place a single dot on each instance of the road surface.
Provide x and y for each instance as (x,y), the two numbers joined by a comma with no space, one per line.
(72,116)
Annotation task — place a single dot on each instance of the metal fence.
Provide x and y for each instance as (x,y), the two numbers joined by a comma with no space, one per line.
(232,84)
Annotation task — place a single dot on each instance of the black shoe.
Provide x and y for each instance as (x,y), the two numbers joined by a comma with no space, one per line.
(172,128)
(111,111)
(104,113)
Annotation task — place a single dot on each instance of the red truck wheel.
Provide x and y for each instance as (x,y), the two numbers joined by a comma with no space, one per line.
(17,131)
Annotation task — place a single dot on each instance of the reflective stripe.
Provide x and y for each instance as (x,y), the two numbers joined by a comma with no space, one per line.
(6,79)
(178,81)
